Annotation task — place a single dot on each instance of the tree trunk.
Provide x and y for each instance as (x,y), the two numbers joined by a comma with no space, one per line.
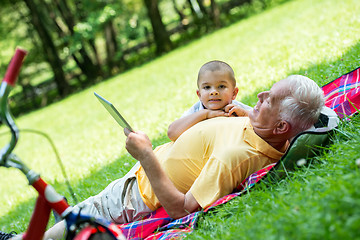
(87,66)
(197,16)
(161,36)
(215,14)
(205,21)
(82,17)
(49,48)
(202,8)
(111,47)
(195,10)
(183,20)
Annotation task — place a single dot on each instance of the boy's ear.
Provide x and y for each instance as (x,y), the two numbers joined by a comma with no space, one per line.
(236,90)
(282,127)
(198,92)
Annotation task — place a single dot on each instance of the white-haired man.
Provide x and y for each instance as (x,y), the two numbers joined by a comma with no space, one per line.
(209,159)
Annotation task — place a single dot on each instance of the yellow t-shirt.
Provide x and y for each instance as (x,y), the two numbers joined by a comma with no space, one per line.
(210,159)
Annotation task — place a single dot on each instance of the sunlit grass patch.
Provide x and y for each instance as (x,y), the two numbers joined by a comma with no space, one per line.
(315,38)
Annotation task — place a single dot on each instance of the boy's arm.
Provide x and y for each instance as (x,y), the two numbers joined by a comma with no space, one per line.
(182,124)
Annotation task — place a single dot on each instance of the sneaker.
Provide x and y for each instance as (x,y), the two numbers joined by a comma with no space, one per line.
(4,236)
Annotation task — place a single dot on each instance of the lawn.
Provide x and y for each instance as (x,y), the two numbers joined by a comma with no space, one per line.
(319,39)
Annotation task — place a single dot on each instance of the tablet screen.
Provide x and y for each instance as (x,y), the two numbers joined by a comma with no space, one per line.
(113,111)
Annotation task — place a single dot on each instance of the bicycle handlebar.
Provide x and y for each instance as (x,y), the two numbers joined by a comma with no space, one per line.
(48,197)
(6,86)
(14,66)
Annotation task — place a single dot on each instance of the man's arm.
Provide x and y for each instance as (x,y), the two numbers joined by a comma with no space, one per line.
(176,203)
(182,124)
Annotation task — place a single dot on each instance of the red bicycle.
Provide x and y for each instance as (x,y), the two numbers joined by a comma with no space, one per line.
(79,226)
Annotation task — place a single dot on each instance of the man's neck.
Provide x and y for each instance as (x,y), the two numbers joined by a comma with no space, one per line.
(276,141)
(278,145)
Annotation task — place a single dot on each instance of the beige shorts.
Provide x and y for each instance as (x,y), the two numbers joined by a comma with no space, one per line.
(119,202)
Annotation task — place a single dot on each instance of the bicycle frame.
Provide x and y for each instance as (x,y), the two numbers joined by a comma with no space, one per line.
(48,198)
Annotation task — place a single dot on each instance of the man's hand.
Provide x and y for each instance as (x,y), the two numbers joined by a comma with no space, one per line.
(176,203)
(232,110)
(138,144)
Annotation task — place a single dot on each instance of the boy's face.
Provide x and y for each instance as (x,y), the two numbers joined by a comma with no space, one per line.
(216,90)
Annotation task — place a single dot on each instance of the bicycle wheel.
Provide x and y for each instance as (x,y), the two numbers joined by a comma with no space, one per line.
(95,233)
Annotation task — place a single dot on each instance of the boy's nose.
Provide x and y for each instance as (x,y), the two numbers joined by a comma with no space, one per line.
(214,92)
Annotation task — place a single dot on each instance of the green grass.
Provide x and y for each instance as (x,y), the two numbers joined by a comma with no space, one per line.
(317,202)
(317,38)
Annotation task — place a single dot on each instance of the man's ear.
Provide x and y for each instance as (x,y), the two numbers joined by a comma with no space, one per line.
(235,92)
(282,127)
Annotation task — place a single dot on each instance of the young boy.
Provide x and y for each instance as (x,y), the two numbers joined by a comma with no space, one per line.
(217,92)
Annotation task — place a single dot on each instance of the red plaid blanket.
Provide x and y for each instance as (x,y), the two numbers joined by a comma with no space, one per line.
(342,95)
(158,224)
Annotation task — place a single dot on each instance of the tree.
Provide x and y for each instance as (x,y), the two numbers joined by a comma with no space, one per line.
(84,41)
(182,17)
(199,13)
(90,67)
(161,36)
(215,14)
(202,8)
(50,51)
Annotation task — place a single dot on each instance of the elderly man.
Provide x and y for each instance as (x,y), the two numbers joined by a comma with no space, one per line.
(208,160)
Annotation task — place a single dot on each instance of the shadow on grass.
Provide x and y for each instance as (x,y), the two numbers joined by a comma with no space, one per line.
(321,73)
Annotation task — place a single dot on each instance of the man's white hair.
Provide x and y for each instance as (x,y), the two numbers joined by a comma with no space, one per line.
(302,106)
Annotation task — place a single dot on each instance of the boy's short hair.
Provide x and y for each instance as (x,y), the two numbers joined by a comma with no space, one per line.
(217,65)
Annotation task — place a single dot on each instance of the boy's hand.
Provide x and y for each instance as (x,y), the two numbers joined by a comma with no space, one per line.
(214,113)
(232,110)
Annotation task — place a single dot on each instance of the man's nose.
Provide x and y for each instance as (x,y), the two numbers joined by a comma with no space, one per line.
(261,96)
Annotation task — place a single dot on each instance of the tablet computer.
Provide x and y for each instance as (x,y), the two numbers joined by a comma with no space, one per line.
(114,112)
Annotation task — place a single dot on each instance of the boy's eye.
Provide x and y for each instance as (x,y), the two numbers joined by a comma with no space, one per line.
(222,86)
(206,87)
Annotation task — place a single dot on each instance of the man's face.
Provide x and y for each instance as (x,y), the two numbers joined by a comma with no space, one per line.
(265,115)
(216,90)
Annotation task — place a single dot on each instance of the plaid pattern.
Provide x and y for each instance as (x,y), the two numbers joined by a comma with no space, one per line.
(144,228)
(243,187)
(158,224)
(342,94)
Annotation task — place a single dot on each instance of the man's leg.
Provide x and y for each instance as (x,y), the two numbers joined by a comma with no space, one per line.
(120,202)
(56,232)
